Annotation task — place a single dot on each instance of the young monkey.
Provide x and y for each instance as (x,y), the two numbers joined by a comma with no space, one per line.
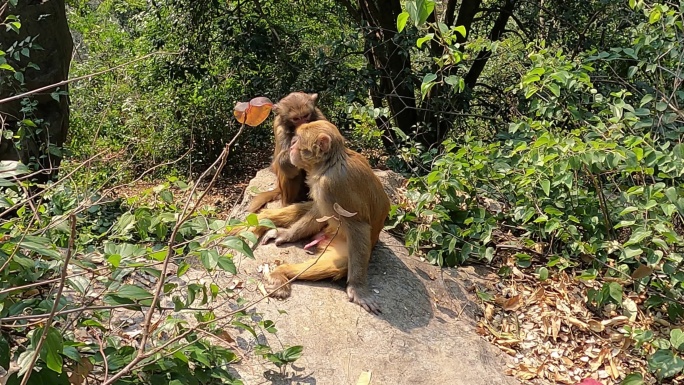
(291,111)
(335,174)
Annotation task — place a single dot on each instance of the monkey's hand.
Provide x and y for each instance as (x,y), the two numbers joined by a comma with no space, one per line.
(362,297)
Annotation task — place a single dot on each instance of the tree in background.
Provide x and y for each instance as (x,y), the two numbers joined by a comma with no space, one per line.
(34,52)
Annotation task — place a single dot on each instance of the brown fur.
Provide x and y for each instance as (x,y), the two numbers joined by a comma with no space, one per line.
(292,111)
(335,174)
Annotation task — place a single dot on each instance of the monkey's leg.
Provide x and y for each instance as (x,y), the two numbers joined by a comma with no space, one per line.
(360,248)
(261,199)
(332,264)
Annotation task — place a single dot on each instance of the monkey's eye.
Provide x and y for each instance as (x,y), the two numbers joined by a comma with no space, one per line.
(306,153)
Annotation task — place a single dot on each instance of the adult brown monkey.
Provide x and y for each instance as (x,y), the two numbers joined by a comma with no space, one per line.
(291,111)
(335,174)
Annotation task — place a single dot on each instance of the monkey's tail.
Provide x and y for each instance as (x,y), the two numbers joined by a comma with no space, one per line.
(261,199)
(332,264)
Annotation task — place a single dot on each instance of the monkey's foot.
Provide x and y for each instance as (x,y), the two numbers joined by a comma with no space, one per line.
(273,283)
(269,236)
(280,235)
(363,298)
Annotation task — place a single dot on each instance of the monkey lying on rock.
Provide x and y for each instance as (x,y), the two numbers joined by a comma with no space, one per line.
(335,175)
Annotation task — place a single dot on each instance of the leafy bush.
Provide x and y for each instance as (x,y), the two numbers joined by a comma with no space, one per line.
(78,271)
(590,169)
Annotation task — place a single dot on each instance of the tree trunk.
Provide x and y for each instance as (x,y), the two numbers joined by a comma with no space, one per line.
(391,63)
(46,22)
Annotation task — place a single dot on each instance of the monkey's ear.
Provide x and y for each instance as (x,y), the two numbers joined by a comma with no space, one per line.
(276,108)
(324,142)
(313,97)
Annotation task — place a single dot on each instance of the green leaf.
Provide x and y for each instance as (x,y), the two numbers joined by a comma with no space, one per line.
(633,378)
(291,354)
(546,186)
(452,80)
(461,30)
(129,294)
(428,83)
(638,236)
(209,259)
(423,10)
(553,87)
(401,21)
(52,348)
(166,196)
(40,245)
(654,16)
(615,292)
(238,245)
(631,71)
(543,274)
(677,339)
(647,98)
(423,39)
(19,76)
(412,10)
(7,67)
(182,269)
(227,264)
(252,219)
(114,259)
(665,363)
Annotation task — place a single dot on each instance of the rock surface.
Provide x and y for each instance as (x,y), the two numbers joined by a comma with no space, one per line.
(425,334)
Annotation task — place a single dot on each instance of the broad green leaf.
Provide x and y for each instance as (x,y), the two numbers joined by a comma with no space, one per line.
(677,339)
(553,87)
(227,264)
(638,236)
(40,245)
(422,40)
(546,186)
(633,378)
(166,196)
(52,348)
(665,363)
(647,98)
(401,21)
(252,219)
(292,353)
(461,30)
(238,245)
(615,291)
(209,259)
(654,16)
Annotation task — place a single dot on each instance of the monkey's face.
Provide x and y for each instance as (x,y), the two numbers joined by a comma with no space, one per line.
(297,153)
(309,149)
(297,108)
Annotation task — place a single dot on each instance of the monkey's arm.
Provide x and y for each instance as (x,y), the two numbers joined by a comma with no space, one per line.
(282,160)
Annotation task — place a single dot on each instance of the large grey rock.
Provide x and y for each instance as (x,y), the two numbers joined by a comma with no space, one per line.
(425,334)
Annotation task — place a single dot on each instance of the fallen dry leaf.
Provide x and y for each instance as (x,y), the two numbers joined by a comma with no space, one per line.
(364,378)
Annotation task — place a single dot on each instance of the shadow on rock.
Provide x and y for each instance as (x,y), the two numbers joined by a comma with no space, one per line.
(403,298)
